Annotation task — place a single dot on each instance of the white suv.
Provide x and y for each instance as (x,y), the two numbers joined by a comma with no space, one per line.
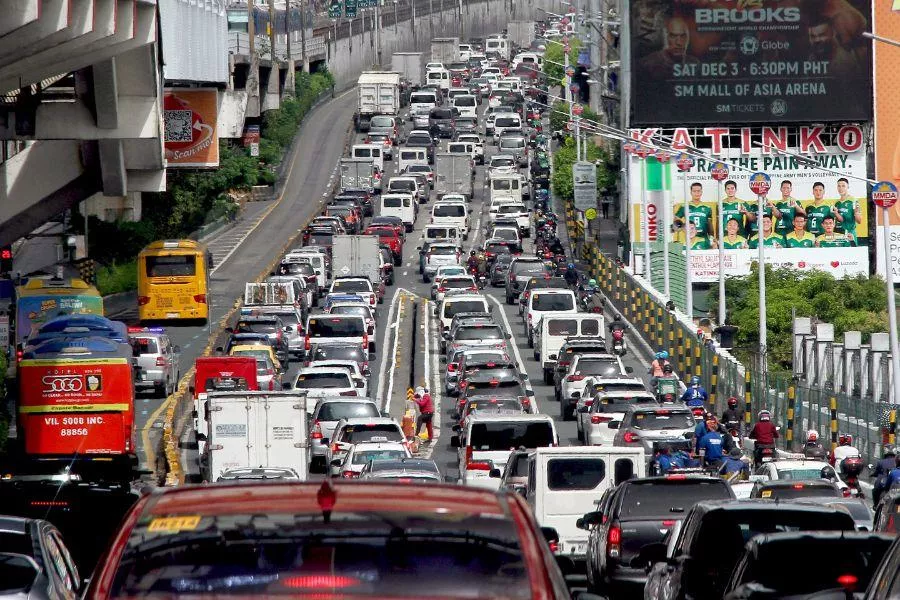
(542,301)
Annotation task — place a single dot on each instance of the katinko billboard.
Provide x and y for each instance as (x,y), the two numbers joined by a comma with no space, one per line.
(815,216)
(748,61)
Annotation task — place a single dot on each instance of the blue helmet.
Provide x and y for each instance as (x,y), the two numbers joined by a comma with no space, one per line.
(695,380)
(662,355)
(571,265)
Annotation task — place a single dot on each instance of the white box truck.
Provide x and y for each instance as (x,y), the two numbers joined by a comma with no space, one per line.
(256,430)
(520,33)
(357,174)
(356,256)
(445,50)
(379,94)
(410,66)
(453,175)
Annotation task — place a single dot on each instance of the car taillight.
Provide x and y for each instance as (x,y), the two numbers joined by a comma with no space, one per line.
(335,448)
(512,278)
(350,393)
(306,344)
(631,438)
(200,298)
(574,377)
(160,361)
(143,300)
(272,385)
(349,474)
(442,289)
(846,492)
(614,541)
(563,363)
(451,367)
(478,466)
(19,354)
(597,419)
(372,299)
(317,431)
(365,341)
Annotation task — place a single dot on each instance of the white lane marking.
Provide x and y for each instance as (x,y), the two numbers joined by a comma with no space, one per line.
(515,349)
(477,232)
(392,324)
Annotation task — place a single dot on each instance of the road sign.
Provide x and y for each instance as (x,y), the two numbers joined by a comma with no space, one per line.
(570,71)
(684,162)
(570,125)
(760,183)
(350,8)
(643,152)
(584,175)
(590,214)
(663,156)
(334,9)
(884,194)
(719,171)
(577,109)
(630,147)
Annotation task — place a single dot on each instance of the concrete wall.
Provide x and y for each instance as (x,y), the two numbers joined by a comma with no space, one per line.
(348,57)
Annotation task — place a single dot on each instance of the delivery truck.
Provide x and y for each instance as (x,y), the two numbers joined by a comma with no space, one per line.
(357,174)
(453,175)
(256,430)
(445,50)
(410,66)
(218,373)
(356,256)
(378,94)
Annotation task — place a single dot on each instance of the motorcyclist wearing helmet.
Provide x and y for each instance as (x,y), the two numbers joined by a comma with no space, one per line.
(764,433)
(732,414)
(571,275)
(844,450)
(659,363)
(813,447)
(617,324)
(702,429)
(712,444)
(882,468)
(481,262)
(472,262)
(695,395)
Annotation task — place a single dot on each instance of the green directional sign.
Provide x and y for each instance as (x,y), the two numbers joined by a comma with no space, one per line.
(334,9)
(350,8)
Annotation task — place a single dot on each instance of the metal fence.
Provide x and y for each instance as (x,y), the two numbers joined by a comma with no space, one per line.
(796,407)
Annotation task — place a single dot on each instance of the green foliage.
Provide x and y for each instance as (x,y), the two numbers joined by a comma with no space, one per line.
(554,59)
(857,304)
(564,158)
(117,278)
(197,197)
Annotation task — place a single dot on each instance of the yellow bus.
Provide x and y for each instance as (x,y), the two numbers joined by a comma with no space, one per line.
(173,281)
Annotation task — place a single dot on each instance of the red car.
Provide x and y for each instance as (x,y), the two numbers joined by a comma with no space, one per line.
(331,540)
(388,235)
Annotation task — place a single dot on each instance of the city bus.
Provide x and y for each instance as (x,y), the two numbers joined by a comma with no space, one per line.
(41,300)
(173,281)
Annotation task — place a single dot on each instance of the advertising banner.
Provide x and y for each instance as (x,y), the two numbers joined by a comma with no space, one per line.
(746,61)
(808,210)
(190,116)
(66,385)
(105,433)
(887,126)
(839,262)
(33,311)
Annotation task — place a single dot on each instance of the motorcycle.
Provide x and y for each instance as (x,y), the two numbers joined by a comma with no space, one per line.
(734,430)
(618,342)
(591,302)
(482,281)
(851,469)
(763,453)
(667,391)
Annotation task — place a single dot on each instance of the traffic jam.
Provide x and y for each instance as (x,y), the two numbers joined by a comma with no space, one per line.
(428,397)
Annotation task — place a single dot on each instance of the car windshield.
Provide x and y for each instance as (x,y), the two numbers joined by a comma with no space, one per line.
(512,143)
(418,140)
(374,432)
(384,551)
(464,101)
(809,574)
(421,99)
(502,162)
(527,268)
(511,209)
(335,411)
(668,500)
(663,419)
(800,473)
(379,121)
(361,458)
(142,346)
(494,404)
(261,356)
(553,302)
(452,308)
(452,271)
(503,435)
(351,285)
(336,327)
(598,366)
(256,326)
(618,403)
(449,210)
(506,122)
(442,114)
(456,283)
(392,202)
(505,184)
(311,381)
(799,490)
(362,311)
(403,185)
(339,353)
(497,249)
(445,250)
(479,332)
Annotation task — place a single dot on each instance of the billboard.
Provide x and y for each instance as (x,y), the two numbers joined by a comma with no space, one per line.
(192,138)
(813,218)
(887,126)
(749,61)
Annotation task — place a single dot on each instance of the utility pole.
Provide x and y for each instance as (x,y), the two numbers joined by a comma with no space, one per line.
(305,67)
(272,30)
(251,28)
(287,28)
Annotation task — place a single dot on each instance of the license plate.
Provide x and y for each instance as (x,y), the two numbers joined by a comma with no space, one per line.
(579,549)
(173,315)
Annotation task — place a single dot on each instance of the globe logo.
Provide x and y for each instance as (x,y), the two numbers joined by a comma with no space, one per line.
(749,45)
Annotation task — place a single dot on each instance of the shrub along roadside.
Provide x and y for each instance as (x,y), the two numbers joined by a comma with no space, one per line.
(194,198)
(564,158)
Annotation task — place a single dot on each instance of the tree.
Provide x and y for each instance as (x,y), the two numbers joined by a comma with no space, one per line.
(564,158)
(554,59)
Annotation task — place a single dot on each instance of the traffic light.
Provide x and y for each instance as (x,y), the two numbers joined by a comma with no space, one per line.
(6,260)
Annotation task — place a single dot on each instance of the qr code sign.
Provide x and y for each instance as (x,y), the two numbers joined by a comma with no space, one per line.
(178,125)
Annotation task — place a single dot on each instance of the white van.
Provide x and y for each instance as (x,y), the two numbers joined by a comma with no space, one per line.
(506,186)
(399,205)
(337,329)
(441,233)
(565,483)
(532,59)
(439,78)
(484,446)
(319,264)
(498,46)
(374,153)
(544,300)
(422,101)
(459,304)
(467,148)
(455,214)
(466,104)
(556,328)
(411,156)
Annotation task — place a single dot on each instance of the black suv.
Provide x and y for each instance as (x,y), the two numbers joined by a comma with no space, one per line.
(567,352)
(709,544)
(440,122)
(640,512)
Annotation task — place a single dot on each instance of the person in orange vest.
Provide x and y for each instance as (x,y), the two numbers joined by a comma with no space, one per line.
(426,413)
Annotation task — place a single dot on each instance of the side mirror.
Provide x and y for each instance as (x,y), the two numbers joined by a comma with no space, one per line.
(584,409)
(191,390)
(360,384)
(589,520)
(629,369)
(529,393)
(576,395)
(229,329)
(337,462)
(288,329)
(551,536)
(456,428)
(454,441)
(286,385)
(613,424)
(524,376)
(495,473)
(220,349)
(201,437)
